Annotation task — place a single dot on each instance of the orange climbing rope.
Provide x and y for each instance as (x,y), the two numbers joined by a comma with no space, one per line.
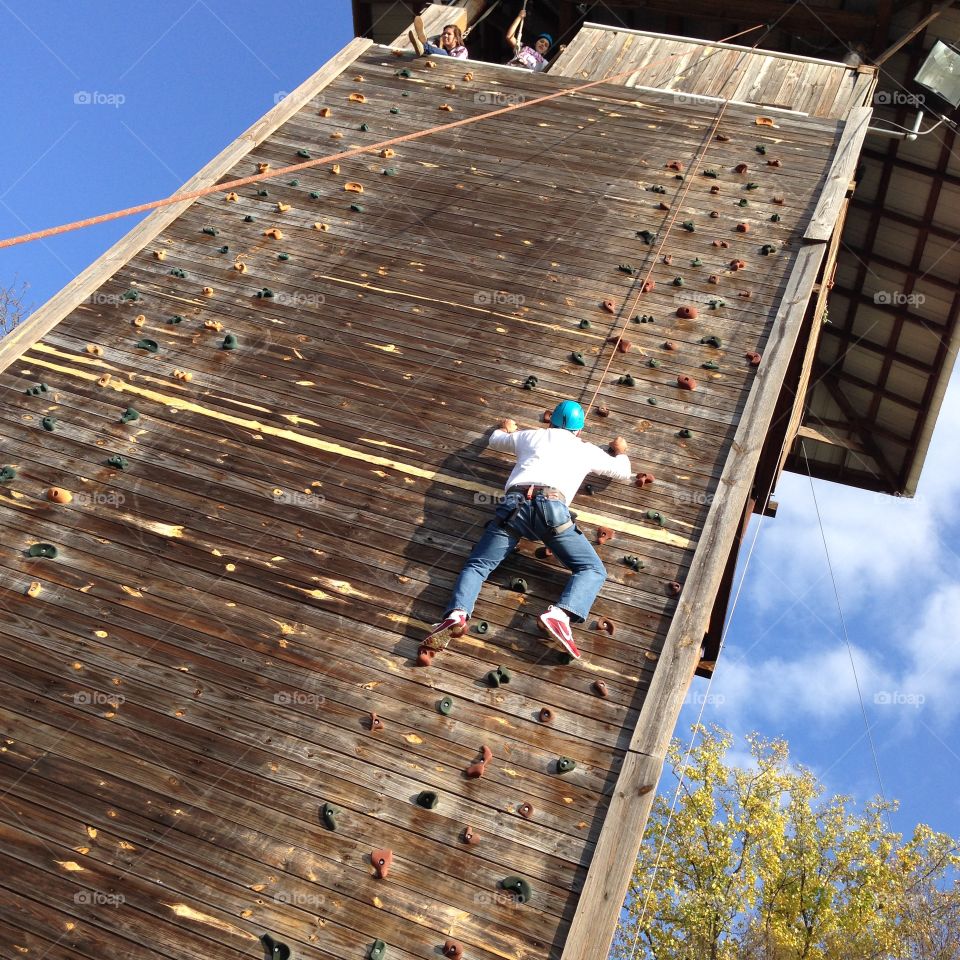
(306,164)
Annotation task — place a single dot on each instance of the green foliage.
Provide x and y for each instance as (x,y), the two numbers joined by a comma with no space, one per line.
(757,864)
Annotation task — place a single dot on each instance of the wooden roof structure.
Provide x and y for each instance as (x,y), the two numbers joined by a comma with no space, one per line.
(266,407)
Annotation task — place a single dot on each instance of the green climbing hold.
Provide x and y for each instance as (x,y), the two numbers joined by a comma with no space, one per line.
(688,225)
(129,415)
(646,236)
(711,365)
(230,342)
(49,423)
(577,358)
(652,401)
(775,218)
(656,188)
(248,219)
(711,174)
(7,474)
(626,268)
(36,390)
(390,171)
(518,585)
(482,627)
(653,362)
(283,256)
(293,183)
(497,677)
(427,799)
(678,176)
(303,153)
(530,383)
(519,887)
(404,73)
(678,281)
(151,346)
(643,318)
(584,324)
(394,110)
(760,148)
(328,814)
(379,949)
(121,463)
(356,208)
(210,231)
(262,193)
(696,262)
(265,293)
(177,272)
(711,341)
(565,765)
(176,318)
(627,380)
(314,195)
(365,127)
(223,249)
(634,563)
(131,295)
(46,551)
(716,303)
(752,186)
(656,516)
(445,706)
(742,202)
(767,249)
(685,433)
(276,949)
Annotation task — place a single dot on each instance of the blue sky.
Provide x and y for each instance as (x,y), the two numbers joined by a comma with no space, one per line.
(169,85)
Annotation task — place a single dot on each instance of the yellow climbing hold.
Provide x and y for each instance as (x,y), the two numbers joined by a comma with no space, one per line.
(240,267)
(358,78)
(213,325)
(353,187)
(94,349)
(139,320)
(283,207)
(232,197)
(34,589)
(185,375)
(160,254)
(357,98)
(450,86)
(273,233)
(325,111)
(445,106)
(263,167)
(336,135)
(207,291)
(104,381)
(387,153)
(468,77)
(430,65)
(335,169)
(321,226)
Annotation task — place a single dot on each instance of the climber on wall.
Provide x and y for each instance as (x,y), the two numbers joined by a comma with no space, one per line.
(451,41)
(533,58)
(550,467)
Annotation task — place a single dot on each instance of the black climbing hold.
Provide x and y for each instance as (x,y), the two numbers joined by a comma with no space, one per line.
(293,183)
(131,295)
(7,474)
(530,383)
(497,677)
(752,186)
(230,342)
(519,585)
(645,318)
(656,516)
(129,415)
(49,423)
(775,218)
(356,208)
(626,268)
(519,887)
(685,433)
(646,236)
(742,202)
(45,550)
(151,346)
(390,171)
(328,815)
(283,256)
(577,358)
(445,706)
(365,127)
(711,174)
(656,188)
(263,193)
(760,148)
(427,799)
(634,563)
(378,950)
(678,281)
(627,380)
(710,365)
(314,195)
(36,390)
(767,249)
(121,463)
(176,318)
(696,262)
(177,272)
(265,293)
(223,249)
(678,176)
(653,362)
(652,401)
(688,225)
(711,341)
(248,219)
(210,231)
(405,73)
(584,324)
(276,949)
(482,627)
(565,765)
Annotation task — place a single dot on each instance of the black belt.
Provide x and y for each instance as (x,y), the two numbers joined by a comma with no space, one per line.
(551,493)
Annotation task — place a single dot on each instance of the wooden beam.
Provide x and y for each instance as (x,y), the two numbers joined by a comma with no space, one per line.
(436,16)
(595,921)
(78,289)
(910,34)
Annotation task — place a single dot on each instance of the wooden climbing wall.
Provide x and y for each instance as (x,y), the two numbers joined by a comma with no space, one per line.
(190,679)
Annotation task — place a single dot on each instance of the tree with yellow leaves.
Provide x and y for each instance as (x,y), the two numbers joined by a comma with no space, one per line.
(756,863)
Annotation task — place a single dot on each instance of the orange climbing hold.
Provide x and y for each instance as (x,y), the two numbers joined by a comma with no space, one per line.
(386,153)
(687,313)
(357,98)
(453,950)
(743,228)
(425,656)
(382,861)
(648,286)
(207,291)
(59,495)
(353,187)
(240,267)
(273,233)
(325,112)
(738,264)
(754,358)
(686,383)
(263,167)
(603,535)
(376,724)
(609,306)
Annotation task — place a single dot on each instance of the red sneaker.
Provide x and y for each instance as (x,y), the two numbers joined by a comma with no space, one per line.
(557,624)
(441,633)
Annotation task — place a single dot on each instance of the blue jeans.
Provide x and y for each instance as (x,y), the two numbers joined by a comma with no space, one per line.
(535,520)
(435,51)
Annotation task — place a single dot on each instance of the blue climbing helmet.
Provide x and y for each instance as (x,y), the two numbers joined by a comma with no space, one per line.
(567,414)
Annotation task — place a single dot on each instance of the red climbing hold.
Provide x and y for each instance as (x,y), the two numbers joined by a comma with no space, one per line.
(663,206)
(376,724)
(713,278)
(486,753)
(738,264)
(741,168)
(714,214)
(623,346)
(754,358)
(545,715)
(600,686)
(720,243)
(475,770)
(525,810)
(645,479)
(382,860)
(687,313)
(469,837)
(453,949)
(667,258)
(669,345)
(425,656)
(686,383)
(743,228)
(774,163)
(673,588)
(609,306)
(603,411)
(547,414)
(745,295)
(605,625)
(779,201)
(675,165)
(714,189)
(648,285)
(603,535)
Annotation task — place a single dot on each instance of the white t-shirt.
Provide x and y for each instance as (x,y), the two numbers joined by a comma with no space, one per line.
(557,458)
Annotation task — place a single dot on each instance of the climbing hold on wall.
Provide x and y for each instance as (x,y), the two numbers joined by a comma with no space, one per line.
(7,474)
(43,551)
(577,358)
(603,410)
(687,313)
(721,243)
(248,219)
(710,365)
(36,390)
(584,324)
(743,228)
(130,415)
(262,193)
(356,208)
(714,214)
(674,165)
(176,318)
(352,187)
(427,799)
(685,433)
(160,254)
(475,770)
(713,278)
(761,148)
(623,346)
(375,723)
(652,401)
(328,816)
(59,495)
(775,218)
(382,860)
(177,272)
(210,231)
(689,226)
(481,626)
(452,949)
(656,517)
(283,257)
(741,168)
(525,810)
(276,949)
(712,341)
(645,479)
(738,264)
(390,171)
(151,346)
(530,383)
(425,656)
(656,188)
(754,358)
(646,236)
(743,202)
(230,342)
(767,249)
(696,262)
(605,625)
(626,268)
(751,186)
(519,887)
(545,715)
(357,98)
(714,190)
(273,233)
(604,535)
(104,381)
(711,174)
(497,677)
(653,362)
(609,306)
(469,837)
(378,950)
(780,201)
(774,163)
(518,585)
(207,291)
(674,588)
(132,295)
(565,765)
(600,687)
(445,706)
(686,383)
(634,563)
(120,463)
(627,380)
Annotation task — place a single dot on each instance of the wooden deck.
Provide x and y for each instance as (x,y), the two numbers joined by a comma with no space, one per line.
(192,677)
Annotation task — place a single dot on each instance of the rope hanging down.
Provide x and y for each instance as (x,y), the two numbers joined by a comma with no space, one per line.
(483,16)
(333,158)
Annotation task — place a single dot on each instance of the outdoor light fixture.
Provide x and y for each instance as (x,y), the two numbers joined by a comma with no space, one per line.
(940,73)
